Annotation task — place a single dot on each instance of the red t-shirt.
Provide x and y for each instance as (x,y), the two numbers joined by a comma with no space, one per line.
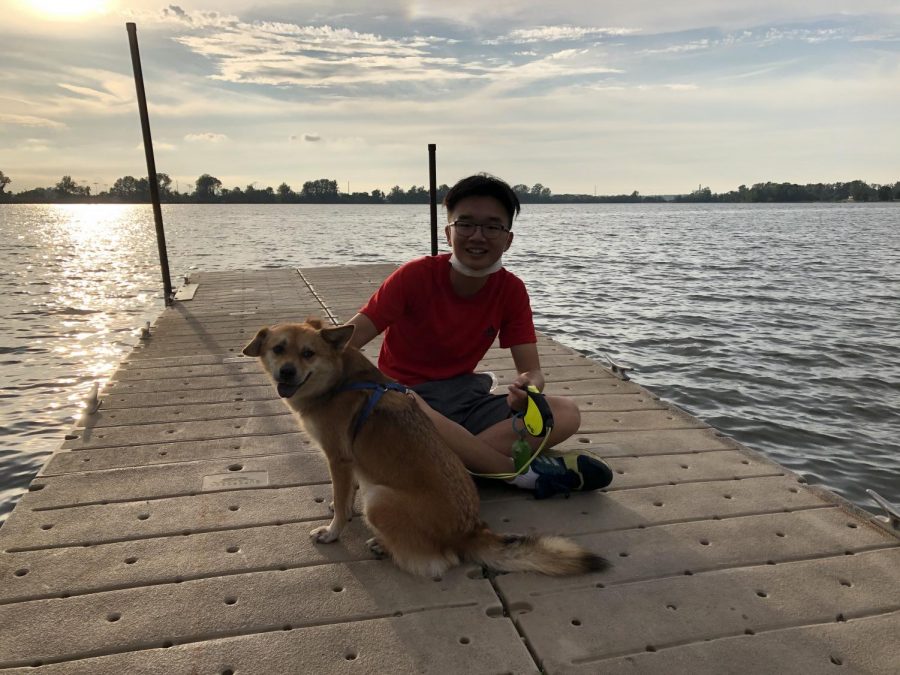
(431,333)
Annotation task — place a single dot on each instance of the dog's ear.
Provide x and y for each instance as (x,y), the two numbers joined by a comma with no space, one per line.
(338,337)
(255,345)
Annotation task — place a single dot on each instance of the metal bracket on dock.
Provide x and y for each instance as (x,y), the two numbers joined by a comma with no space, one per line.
(892,510)
(92,403)
(186,292)
(618,370)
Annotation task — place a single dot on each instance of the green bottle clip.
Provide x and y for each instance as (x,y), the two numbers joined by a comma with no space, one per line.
(521,453)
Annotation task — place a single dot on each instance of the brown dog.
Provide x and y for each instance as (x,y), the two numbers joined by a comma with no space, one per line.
(417,496)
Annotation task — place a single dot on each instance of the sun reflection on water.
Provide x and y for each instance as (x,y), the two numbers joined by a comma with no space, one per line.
(92,276)
(95,252)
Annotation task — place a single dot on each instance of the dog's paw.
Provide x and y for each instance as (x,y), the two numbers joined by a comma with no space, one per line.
(323,535)
(376,548)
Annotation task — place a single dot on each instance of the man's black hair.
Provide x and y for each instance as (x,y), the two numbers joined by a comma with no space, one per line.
(484,185)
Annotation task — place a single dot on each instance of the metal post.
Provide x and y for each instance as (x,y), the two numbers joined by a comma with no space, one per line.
(432,177)
(151,163)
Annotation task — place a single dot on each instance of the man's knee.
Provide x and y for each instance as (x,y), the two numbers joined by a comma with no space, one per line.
(566,415)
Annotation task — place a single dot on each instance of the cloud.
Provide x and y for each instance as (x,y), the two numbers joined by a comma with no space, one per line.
(876,37)
(177,12)
(193,19)
(340,61)
(810,36)
(206,137)
(91,95)
(693,46)
(551,70)
(309,63)
(752,37)
(157,145)
(35,145)
(647,16)
(90,91)
(671,86)
(321,57)
(559,33)
(306,138)
(30,121)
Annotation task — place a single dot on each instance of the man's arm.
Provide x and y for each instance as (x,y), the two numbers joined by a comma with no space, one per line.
(365,331)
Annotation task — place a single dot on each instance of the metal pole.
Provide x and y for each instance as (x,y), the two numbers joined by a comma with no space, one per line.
(151,163)
(432,177)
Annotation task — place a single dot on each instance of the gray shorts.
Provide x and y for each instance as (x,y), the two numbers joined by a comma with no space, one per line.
(467,400)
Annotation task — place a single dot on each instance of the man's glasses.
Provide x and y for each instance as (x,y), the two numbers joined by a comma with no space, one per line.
(467,229)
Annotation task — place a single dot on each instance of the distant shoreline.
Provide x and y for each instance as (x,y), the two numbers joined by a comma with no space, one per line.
(209,190)
(662,200)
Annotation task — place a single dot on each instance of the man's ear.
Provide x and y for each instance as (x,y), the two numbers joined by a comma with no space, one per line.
(338,337)
(255,345)
(508,241)
(447,234)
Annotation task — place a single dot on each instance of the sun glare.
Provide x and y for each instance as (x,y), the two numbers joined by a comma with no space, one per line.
(68,9)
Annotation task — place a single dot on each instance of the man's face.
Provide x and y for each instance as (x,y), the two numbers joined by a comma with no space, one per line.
(484,245)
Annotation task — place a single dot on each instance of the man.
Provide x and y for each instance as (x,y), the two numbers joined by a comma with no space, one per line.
(440,315)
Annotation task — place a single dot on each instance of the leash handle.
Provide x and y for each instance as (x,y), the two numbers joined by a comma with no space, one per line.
(537,416)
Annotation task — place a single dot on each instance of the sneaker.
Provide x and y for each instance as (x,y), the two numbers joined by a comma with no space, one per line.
(562,475)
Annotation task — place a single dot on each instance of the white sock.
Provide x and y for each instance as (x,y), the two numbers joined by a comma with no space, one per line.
(525,481)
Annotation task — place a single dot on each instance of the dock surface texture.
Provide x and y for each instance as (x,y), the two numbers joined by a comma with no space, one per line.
(169,534)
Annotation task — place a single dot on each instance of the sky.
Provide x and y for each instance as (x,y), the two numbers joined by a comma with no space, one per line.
(602,97)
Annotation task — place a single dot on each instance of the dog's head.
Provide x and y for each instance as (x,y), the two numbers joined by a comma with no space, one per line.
(303,359)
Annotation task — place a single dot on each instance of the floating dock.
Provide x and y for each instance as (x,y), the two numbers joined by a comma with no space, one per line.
(169,534)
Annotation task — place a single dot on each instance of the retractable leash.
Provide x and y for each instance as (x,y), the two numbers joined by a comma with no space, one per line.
(537,420)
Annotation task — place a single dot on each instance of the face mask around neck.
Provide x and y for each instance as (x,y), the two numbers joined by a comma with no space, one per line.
(469,272)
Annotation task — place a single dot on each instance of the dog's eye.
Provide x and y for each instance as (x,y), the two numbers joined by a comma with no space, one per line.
(307,353)
(278,349)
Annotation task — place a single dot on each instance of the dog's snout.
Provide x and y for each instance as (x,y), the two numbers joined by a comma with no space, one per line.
(287,372)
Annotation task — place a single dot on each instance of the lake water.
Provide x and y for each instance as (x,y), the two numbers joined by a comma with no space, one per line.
(777,324)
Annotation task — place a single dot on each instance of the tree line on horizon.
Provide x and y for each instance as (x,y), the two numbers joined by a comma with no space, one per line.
(209,190)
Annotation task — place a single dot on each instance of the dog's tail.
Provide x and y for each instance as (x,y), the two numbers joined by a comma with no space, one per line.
(556,556)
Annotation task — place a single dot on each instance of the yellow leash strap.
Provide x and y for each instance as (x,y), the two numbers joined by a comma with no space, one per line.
(522,469)
(538,421)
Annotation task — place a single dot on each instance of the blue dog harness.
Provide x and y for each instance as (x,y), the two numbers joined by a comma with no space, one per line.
(378,390)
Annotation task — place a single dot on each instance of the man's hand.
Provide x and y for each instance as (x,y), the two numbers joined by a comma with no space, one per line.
(517,399)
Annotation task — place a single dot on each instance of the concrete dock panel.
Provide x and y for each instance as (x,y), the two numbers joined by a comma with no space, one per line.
(453,641)
(113,457)
(662,613)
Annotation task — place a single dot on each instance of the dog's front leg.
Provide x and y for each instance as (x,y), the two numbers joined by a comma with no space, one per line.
(343,487)
(349,513)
